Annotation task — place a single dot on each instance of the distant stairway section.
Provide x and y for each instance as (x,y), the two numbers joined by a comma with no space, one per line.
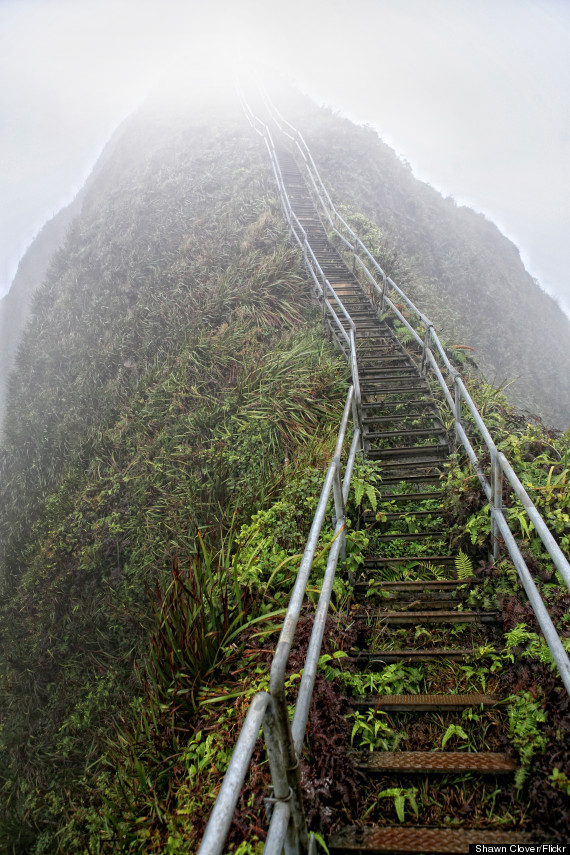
(398,413)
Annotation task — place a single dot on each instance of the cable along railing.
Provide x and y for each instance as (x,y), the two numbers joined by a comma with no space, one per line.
(268,711)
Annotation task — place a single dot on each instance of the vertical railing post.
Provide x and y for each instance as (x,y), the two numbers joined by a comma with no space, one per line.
(426,350)
(458,414)
(384,283)
(356,384)
(339,508)
(297,840)
(496,502)
(282,792)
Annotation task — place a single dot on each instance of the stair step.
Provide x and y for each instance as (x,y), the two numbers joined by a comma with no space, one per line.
(399,434)
(379,387)
(442,762)
(421,403)
(412,463)
(398,840)
(385,657)
(422,618)
(420,535)
(388,374)
(413,586)
(413,451)
(431,477)
(425,703)
(380,561)
(400,602)
(415,497)
(370,516)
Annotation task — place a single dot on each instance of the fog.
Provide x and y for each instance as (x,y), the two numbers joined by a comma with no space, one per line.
(475,94)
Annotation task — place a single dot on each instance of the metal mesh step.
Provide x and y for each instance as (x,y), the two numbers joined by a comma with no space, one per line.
(425,703)
(435,841)
(436,762)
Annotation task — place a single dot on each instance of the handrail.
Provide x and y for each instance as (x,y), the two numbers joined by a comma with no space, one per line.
(432,348)
(269,711)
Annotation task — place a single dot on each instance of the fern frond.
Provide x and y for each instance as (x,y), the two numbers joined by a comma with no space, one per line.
(463,566)
(432,569)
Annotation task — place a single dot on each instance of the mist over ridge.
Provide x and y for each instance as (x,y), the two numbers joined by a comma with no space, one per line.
(368,175)
(474,95)
(171,377)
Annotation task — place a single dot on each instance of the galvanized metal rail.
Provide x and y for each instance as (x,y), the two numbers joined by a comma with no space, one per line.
(287,828)
(457,397)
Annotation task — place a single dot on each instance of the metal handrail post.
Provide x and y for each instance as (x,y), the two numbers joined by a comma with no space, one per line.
(355,379)
(457,412)
(297,838)
(496,502)
(276,839)
(425,351)
(282,792)
(339,507)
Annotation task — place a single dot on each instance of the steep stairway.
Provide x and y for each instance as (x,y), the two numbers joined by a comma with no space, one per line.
(412,602)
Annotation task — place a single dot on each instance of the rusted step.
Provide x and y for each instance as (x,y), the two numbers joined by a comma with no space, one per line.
(413,586)
(421,403)
(422,618)
(412,452)
(424,703)
(370,516)
(387,373)
(386,657)
(416,497)
(412,432)
(380,387)
(397,840)
(432,477)
(441,560)
(404,603)
(381,355)
(406,469)
(436,762)
(420,535)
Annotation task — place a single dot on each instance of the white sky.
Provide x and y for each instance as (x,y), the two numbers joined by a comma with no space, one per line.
(474,93)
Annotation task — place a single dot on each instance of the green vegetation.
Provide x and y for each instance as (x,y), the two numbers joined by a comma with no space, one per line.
(174,381)
(171,415)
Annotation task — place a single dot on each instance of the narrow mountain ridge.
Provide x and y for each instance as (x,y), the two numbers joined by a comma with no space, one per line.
(171,412)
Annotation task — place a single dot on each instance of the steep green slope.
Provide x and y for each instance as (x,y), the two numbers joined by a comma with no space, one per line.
(453,262)
(172,374)
(15,306)
(173,380)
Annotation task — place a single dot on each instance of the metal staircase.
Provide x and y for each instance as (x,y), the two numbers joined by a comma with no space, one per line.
(397,421)
(402,431)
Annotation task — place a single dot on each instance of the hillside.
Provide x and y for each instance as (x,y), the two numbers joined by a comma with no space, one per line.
(15,306)
(159,391)
(172,382)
